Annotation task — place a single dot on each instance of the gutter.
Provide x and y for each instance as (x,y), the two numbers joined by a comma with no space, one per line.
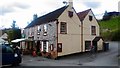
(81,36)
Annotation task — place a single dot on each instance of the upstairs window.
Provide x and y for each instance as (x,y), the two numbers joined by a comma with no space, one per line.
(63,28)
(28,33)
(38,30)
(93,30)
(45,30)
(70,13)
(90,18)
(32,34)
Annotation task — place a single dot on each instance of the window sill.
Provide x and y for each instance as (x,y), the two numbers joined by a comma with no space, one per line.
(93,34)
(63,33)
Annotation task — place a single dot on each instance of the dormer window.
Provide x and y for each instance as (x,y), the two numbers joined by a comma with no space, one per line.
(45,30)
(90,18)
(70,13)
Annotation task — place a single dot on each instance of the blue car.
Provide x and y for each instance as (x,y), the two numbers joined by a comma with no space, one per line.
(9,56)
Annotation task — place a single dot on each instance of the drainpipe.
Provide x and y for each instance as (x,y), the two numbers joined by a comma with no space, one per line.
(81,36)
(57,22)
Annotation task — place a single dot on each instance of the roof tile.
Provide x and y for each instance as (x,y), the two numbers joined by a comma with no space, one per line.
(52,16)
(83,14)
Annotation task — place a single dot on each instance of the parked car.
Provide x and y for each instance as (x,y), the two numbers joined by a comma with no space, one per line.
(9,56)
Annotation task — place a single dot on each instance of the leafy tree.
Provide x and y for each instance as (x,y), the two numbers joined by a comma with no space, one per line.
(14,34)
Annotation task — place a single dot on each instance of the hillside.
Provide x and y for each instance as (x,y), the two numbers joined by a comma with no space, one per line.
(110,29)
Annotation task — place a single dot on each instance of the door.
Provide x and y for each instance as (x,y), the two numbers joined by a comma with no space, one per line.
(87,45)
(95,45)
(38,46)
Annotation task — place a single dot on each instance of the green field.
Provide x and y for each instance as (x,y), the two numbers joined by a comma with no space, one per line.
(110,29)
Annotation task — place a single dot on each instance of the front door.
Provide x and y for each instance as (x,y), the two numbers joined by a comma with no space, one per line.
(87,45)
(95,45)
(38,46)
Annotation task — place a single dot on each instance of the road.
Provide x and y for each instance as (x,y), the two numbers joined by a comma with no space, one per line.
(108,58)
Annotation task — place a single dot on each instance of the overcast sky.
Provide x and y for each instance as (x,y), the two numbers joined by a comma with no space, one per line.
(22,11)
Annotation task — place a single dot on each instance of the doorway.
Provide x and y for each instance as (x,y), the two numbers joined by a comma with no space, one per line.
(38,46)
(95,45)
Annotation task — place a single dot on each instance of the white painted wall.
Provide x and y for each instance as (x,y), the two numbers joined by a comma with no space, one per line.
(100,45)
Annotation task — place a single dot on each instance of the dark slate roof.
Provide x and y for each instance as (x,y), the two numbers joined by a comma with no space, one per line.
(113,13)
(83,14)
(97,38)
(52,16)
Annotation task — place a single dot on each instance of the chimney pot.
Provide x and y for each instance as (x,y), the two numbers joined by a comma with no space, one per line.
(71,3)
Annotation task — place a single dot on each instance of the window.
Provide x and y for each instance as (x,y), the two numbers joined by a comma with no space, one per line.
(93,30)
(28,33)
(45,30)
(32,34)
(70,13)
(38,30)
(44,46)
(9,50)
(51,47)
(90,18)
(87,45)
(63,28)
(59,49)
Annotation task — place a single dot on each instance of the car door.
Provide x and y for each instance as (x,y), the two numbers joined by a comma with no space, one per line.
(7,55)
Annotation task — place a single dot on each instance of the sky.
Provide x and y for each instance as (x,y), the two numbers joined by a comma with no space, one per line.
(22,11)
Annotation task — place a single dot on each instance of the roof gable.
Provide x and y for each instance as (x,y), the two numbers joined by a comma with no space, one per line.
(83,14)
(52,16)
(4,36)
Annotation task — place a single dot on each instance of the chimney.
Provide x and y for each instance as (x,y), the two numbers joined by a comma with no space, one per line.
(34,16)
(70,3)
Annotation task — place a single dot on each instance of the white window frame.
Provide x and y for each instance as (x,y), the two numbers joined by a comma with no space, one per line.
(45,27)
(42,46)
(47,46)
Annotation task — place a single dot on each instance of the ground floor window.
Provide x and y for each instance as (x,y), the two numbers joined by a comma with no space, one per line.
(51,47)
(44,46)
(59,49)
(87,45)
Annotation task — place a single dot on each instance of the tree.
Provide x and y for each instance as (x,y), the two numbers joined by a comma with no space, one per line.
(14,34)
(13,24)
(106,16)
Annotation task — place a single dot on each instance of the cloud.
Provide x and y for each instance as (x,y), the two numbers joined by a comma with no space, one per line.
(20,5)
(92,4)
(5,10)
(11,7)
